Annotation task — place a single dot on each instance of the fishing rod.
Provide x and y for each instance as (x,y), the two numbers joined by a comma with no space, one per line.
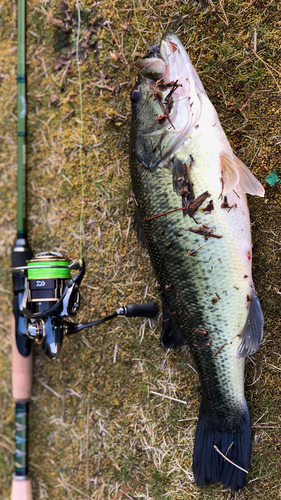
(21,346)
(46,293)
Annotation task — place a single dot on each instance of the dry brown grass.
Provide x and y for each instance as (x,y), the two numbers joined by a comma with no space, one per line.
(97,430)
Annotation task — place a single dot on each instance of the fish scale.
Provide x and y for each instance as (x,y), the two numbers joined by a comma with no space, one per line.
(198,278)
(202,259)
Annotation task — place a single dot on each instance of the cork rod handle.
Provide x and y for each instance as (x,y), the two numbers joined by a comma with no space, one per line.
(21,488)
(21,371)
(21,389)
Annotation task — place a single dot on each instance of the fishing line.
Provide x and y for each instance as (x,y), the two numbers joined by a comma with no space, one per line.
(138,27)
(81,126)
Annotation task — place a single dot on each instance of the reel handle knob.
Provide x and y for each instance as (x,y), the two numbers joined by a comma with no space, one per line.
(148,310)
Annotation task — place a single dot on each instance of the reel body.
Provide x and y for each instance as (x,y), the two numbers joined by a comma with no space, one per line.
(47,295)
(50,294)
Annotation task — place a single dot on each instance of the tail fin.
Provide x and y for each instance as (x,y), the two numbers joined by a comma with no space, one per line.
(233,441)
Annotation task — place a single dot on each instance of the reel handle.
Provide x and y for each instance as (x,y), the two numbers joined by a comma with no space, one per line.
(148,310)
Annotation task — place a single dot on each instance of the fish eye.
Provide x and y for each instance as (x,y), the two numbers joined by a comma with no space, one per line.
(135,95)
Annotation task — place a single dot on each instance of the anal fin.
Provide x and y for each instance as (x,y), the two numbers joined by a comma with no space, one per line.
(252,332)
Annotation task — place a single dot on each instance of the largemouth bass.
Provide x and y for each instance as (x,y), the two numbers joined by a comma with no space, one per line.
(191,203)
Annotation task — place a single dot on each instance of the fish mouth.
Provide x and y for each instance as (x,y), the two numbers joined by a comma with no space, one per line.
(168,60)
(168,96)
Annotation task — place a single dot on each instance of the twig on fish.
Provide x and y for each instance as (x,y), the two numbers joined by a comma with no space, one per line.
(162,85)
(235,465)
(164,213)
(157,96)
(226,205)
(167,104)
(193,207)
(202,331)
(205,232)
(169,100)
(208,209)
(236,193)
(219,349)
(229,447)
(208,344)
(203,348)
(168,397)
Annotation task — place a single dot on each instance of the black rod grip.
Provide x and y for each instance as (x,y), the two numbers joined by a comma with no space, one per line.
(148,310)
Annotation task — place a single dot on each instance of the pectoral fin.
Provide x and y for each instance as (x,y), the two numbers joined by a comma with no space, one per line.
(172,335)
(248,183)
(252,332)
(138,229)
(236,176)
(229,174)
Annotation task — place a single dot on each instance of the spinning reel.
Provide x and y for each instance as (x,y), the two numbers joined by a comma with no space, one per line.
(47,294)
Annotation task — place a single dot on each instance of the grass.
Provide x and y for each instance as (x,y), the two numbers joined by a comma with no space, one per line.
(139,444)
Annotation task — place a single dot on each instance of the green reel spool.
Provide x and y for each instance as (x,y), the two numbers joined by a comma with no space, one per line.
(46,277)
(48,272)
